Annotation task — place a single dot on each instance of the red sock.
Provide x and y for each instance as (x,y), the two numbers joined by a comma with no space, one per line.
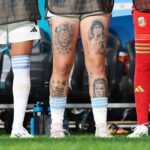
(142,80)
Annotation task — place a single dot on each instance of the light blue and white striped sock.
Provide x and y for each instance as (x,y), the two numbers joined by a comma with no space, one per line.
(99,106)
(20,62)
(21,88)
(57,105)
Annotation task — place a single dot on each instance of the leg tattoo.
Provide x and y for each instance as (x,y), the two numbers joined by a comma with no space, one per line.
(64,38)
(58,88)
(100,88)
(97,37)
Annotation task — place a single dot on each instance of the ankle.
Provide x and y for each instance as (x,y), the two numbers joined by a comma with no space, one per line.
(101,124)
(56,126)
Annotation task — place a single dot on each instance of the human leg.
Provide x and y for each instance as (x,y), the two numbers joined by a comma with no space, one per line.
(94,32)
(64,37)
(142,72)
(21,49)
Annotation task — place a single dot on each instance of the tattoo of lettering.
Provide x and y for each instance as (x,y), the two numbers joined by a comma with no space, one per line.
(100,88)
(97,36)
(58,88)
(64,38)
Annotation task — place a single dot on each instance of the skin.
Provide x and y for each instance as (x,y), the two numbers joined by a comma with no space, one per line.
(63,53)
(94,52)
(21,48)
(94,32)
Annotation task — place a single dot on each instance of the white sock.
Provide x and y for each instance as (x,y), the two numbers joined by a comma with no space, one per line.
(57,106)
(99,106)
(21,88)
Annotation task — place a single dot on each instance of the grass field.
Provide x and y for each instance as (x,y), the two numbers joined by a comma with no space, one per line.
(82,142)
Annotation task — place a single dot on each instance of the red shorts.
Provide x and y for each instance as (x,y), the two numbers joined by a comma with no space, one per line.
(141,22)
(142,31)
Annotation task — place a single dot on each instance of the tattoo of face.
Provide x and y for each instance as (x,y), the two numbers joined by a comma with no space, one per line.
(64,38)
(58,88)
(100,88)
(97,36)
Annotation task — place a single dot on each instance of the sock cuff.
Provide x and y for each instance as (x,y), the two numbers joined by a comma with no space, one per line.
(101,102)
(21,62)
(21,56)
(58,102)
(99,98)
(55,97)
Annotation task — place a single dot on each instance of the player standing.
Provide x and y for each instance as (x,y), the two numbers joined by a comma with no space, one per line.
(66,18)
(141,16)
(18,27)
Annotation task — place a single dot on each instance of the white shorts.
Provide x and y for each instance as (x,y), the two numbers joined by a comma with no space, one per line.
(49,14)
(78,17)
(19,32)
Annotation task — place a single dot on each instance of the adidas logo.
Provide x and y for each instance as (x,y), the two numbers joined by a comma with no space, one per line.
(34,29)
(139,89)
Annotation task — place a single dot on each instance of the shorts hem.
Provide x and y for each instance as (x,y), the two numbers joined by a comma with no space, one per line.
(25,40)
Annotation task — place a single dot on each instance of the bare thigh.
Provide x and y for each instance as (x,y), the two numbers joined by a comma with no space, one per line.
(94,33)
(64,38)
(21,48)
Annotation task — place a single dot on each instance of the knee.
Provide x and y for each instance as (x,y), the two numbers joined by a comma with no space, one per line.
(96,67)
(62,69)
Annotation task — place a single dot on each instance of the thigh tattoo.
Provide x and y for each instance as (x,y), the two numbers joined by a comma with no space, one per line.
(64,38)
(97,36)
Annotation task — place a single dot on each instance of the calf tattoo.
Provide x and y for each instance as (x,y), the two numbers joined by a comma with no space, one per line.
(97,36)
(100,88)
(64,38)
(58,88)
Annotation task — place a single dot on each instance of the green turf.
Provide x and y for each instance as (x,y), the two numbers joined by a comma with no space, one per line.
(82,142)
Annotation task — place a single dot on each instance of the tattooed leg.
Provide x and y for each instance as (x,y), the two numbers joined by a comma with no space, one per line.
(94,38)
(64,35)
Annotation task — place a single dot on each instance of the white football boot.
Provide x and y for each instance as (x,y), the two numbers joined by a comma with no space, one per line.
(102,131)
(57,132)
(21,133)
(139,131)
